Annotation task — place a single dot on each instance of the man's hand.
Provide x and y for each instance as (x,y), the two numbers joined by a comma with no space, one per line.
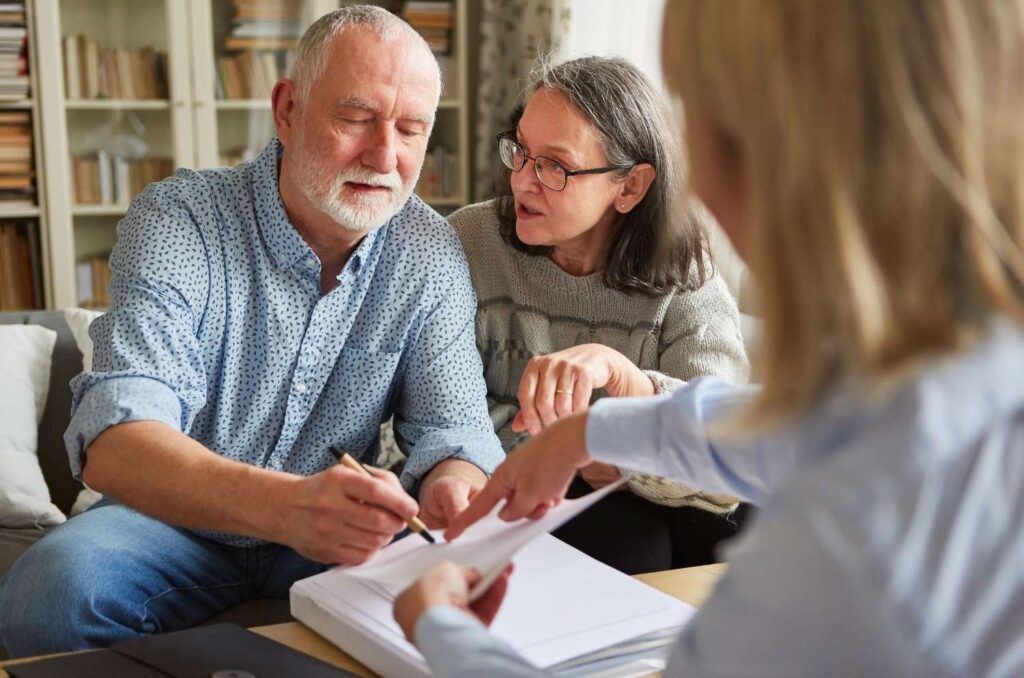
(448,584)
(533,478)
(341,516)
(447,489)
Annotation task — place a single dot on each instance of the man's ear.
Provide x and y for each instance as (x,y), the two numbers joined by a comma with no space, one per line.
(284,101)
(635,187)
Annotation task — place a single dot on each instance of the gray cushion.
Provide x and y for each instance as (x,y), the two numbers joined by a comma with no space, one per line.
(15,542)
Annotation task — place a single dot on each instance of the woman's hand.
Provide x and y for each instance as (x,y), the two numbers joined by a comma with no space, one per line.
(449,584)
(598,475)
(556,385)
(533,478)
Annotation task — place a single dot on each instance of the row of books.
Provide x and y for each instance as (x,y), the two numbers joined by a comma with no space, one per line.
(250,75)
(433,20)
(92,71)
(14,83)
(104,179)
(265,24)
(17,176)
(92,276)
(20,279)
(439,177)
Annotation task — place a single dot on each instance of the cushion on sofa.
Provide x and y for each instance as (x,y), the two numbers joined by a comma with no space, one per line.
(25,352)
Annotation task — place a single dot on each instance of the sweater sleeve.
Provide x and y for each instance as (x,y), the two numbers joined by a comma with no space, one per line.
(700,337)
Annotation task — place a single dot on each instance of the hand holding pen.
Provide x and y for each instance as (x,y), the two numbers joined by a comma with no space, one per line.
(414,524)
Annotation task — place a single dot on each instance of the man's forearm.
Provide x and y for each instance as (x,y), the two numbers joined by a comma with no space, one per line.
(160,471)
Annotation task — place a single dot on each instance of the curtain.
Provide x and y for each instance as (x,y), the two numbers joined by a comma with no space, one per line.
(512,34)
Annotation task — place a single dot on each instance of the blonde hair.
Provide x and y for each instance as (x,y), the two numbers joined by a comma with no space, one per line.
(883,148)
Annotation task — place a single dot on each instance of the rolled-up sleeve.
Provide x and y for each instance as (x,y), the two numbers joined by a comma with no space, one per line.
(147,363)
(442,410)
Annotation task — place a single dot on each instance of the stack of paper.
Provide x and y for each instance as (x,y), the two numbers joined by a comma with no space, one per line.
(564,611)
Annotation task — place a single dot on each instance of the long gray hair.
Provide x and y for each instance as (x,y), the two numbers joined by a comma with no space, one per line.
(661,243)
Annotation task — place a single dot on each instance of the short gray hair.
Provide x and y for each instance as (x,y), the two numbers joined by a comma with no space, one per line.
(316,43)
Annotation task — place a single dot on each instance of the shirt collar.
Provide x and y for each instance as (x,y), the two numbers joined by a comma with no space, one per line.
(287,247)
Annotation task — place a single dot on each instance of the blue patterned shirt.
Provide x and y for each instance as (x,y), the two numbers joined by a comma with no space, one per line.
(217,327)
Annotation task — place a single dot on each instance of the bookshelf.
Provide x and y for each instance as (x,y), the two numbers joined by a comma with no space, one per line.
(125,90)
(22,224)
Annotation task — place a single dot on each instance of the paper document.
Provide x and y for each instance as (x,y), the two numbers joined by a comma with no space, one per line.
(564,611)
(487,546)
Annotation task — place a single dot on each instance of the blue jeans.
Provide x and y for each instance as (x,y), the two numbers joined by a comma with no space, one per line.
(113,573)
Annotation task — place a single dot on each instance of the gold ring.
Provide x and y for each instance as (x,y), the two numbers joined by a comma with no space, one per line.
(565,391)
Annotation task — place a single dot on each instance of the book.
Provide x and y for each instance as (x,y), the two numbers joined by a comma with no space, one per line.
(17,277)
(600,616)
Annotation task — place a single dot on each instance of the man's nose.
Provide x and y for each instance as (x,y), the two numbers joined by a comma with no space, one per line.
(381,152)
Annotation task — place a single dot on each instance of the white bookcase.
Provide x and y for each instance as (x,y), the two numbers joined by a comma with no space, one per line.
(194,126)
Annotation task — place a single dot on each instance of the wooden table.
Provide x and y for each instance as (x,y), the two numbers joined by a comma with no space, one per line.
(690,585)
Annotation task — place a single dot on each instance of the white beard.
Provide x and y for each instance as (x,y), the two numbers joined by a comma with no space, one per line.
(353,212)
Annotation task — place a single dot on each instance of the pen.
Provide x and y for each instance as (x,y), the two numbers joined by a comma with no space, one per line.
(346,460)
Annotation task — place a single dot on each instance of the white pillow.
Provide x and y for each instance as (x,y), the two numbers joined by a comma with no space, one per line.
(25,352)
(78,320)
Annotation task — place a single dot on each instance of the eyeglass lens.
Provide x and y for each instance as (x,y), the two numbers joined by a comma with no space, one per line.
(550,173)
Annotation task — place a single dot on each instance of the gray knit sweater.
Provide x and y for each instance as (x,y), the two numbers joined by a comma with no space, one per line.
(528,306)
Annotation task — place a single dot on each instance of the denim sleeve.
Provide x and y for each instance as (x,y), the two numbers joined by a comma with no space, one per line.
(147,363)
(684,436)
(442,409)
(457,645)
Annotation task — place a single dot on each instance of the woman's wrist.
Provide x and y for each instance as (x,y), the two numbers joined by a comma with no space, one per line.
(628,380)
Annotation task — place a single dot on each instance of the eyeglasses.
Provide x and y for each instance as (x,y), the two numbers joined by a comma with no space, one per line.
(550,173)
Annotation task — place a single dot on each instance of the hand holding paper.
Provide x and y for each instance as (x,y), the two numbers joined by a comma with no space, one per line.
(487,547)
(533,477)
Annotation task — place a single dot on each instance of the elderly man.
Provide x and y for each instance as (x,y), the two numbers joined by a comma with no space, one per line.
(261,317)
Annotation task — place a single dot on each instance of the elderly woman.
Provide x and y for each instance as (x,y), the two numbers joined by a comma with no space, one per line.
(592,280)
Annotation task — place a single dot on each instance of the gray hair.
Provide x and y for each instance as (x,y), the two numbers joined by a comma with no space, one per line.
(315,46)
(661,243)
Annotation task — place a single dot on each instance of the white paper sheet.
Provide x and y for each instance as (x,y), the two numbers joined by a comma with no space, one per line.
(487,546)
(561,604)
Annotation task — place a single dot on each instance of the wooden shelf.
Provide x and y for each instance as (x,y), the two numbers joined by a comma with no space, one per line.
(18,212)
(16,105)
(243,104)
(117,104)
(99,210)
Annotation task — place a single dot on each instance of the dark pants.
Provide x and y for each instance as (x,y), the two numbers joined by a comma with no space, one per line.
(634,535)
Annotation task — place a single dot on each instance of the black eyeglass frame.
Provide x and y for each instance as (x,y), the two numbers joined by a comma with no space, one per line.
(509,135)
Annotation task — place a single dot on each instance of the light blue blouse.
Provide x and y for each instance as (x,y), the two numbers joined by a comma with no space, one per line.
(890,540)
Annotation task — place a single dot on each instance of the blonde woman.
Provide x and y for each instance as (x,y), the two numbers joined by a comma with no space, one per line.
(867,158)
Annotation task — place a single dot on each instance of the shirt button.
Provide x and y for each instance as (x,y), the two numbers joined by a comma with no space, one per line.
(300,388)
(310,264)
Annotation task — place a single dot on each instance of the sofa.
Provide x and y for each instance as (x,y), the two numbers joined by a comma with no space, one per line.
(66,363)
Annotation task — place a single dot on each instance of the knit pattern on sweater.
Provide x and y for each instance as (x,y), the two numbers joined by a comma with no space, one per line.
(528,306)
